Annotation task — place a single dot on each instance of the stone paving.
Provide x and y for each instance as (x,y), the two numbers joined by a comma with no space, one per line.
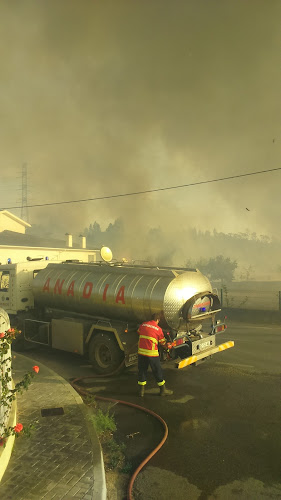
(62,458)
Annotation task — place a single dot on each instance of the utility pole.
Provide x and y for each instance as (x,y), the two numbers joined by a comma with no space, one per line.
(24,209)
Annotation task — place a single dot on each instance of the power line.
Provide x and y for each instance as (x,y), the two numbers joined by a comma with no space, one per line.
(147,191)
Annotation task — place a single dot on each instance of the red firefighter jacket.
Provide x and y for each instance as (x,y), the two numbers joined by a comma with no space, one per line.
(150,334)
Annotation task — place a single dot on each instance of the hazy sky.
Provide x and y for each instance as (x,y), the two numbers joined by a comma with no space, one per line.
(103,97)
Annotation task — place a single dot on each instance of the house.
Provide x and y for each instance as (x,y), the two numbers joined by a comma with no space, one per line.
(17,246)
(11,222)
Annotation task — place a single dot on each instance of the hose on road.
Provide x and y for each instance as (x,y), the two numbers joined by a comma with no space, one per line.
(84,392)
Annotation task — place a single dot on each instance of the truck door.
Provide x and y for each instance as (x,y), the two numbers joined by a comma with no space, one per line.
(5,289)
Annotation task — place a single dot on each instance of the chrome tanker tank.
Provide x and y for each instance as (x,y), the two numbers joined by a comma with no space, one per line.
(123,292)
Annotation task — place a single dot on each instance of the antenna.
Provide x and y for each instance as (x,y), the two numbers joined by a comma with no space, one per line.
(24,209)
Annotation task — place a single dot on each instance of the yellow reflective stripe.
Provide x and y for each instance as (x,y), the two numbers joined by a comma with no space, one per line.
(147,352)
(161,383)
(142,383)
(226,345)
(187,361)
(191,360)
(162,341)
(149,338)
(204,354)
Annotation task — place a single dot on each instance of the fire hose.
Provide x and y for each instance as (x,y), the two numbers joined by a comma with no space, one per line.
(146,410)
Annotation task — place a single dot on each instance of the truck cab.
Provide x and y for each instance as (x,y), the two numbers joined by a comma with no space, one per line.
(16,285)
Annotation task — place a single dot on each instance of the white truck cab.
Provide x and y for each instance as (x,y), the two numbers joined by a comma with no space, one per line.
(16,285)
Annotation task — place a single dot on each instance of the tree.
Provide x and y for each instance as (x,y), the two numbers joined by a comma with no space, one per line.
(247,273)
(218,268)
(94,235)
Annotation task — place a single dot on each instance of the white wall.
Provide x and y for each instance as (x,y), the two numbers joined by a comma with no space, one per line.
(8,224)
(19,254)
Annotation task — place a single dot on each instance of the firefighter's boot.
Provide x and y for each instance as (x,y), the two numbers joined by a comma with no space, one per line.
(164,391)
(141,391)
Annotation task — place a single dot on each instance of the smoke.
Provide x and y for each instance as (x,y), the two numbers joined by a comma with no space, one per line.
(108,97)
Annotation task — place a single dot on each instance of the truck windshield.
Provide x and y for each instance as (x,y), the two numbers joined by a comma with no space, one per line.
(4,281)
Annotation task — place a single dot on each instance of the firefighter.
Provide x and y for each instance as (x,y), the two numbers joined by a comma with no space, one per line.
(150,335)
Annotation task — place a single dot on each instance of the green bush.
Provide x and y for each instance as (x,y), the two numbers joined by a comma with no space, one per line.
(114,454)
(103,423)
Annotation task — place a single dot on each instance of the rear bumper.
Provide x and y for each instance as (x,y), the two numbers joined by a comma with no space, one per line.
(204,354)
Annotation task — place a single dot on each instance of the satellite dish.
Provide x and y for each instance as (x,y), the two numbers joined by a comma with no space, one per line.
(106,254)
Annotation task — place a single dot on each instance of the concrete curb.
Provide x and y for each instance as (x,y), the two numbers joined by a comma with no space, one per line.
(99,474)
(99,492)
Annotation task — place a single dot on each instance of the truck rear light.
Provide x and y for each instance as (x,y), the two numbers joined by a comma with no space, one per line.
(175,343)
(220,328)
(179,341)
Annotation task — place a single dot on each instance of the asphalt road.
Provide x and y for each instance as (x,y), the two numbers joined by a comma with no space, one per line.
(224,420)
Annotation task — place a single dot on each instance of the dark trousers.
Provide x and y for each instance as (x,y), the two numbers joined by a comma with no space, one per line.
(144,362)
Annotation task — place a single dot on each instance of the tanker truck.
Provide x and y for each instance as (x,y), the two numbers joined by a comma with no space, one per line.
(94,309)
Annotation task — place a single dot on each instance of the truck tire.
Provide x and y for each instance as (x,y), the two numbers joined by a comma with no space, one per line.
(105,354)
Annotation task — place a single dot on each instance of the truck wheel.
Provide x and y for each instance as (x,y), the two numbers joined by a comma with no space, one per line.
(105,354)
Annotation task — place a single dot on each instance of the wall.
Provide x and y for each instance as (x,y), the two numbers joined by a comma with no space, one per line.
(20,254)
(9,224)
